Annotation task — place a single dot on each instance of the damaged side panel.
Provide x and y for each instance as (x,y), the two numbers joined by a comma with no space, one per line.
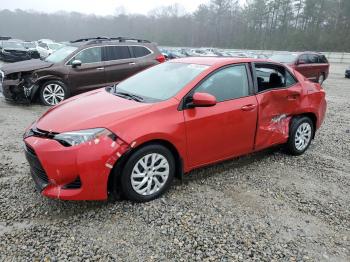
(276,108)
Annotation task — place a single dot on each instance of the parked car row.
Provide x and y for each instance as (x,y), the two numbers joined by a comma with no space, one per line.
(15,50)
(77,67)
(85,64)
(312,65)
(172,53)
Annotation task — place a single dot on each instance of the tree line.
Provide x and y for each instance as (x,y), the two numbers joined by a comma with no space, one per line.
(320,25)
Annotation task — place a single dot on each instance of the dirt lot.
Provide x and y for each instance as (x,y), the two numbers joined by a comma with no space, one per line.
(266,206)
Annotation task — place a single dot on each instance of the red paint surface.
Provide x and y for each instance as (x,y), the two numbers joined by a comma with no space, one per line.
(201,135)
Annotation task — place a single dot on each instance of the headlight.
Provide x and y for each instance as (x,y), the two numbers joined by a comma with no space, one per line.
(78,137)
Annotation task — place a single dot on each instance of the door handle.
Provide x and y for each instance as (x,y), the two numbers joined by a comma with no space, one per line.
(132,63)
(248,107)
(100,68)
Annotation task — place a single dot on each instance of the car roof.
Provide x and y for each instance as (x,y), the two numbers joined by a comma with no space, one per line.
(212,61)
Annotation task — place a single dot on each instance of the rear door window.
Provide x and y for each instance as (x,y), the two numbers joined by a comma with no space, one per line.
(140,51)
(322,59)
(304,59)
(116,53)
(270,76)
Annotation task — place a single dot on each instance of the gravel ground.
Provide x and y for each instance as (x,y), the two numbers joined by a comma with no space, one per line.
(267,206)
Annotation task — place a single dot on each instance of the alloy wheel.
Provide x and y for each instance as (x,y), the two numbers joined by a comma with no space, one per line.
(53,94)
(150,174)
(303,136)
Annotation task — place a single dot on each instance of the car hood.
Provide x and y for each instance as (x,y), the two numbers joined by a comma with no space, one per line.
(94,109)
(25,66)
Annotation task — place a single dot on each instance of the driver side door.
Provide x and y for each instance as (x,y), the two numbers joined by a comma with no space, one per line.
(228,128)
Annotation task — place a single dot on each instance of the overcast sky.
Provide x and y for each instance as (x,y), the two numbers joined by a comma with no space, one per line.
(98,7)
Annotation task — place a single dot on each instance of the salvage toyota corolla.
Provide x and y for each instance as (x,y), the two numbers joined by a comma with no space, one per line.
(135,137)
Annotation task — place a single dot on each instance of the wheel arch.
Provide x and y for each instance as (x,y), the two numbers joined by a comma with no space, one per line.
(312,117)
(113,178)
(41,81)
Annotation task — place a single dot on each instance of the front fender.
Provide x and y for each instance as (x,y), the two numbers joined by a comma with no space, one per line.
(177,142)
(41,80)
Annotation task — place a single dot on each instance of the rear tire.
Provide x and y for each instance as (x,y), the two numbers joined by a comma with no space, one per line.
(300,135)
(148,173)
(53,92)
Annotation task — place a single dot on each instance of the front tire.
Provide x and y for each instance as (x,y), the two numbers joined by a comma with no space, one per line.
(300,135)
(53,92)
(148,173)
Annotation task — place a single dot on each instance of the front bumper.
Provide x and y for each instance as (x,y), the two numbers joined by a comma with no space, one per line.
(55,168)
(17,90)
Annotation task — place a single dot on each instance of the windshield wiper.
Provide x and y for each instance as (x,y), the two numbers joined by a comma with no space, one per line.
(129,96)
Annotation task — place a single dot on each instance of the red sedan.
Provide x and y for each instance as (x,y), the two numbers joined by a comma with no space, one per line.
(135,137)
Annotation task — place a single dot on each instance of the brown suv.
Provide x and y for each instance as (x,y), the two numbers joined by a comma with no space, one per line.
(83,65)
(312,65)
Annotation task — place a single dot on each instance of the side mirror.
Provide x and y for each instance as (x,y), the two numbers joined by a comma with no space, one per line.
(203,100)
(76,63)
(301,62)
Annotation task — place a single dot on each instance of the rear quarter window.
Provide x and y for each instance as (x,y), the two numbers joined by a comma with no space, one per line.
(322,59)
(140,51)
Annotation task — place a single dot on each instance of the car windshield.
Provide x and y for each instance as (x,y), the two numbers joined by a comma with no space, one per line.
(8,44)
(161,82)
(60,54)
(284,58)
(54,46)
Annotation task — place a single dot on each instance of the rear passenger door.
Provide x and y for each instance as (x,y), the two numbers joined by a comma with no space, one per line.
(119,63)
(279,96)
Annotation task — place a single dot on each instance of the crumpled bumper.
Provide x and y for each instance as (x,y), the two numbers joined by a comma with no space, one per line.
(55,167)
(17,91)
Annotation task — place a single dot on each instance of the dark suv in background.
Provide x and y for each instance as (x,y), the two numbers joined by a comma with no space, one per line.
(313,66)
(80,66)
(347,73)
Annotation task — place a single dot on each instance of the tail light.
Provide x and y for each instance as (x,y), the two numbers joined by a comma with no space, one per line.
(160,58)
